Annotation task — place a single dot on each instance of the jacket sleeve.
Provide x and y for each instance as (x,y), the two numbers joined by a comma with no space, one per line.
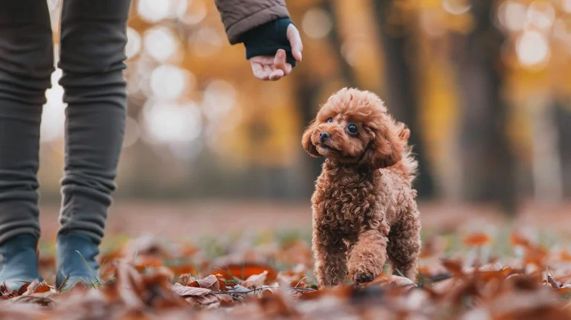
(240,16)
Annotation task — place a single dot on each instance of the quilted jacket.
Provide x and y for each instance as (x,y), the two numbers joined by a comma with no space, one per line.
(240,16)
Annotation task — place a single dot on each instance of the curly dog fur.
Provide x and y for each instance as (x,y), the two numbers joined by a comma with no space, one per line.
(364,206)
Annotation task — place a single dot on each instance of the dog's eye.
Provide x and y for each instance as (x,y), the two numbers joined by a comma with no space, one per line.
(329,120)
(352,129)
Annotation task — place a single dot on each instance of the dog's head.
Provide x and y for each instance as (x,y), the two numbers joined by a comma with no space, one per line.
(354,128)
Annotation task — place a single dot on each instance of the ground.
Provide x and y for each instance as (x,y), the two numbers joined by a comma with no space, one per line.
(223,259)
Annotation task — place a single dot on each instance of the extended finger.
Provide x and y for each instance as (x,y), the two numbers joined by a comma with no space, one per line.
(280,60)
(277,74)
(295,42)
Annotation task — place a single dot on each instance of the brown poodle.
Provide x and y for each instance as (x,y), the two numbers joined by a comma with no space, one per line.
(364,206)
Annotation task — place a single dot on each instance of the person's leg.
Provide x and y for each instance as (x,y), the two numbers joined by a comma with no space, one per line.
(26,62)
(93,38)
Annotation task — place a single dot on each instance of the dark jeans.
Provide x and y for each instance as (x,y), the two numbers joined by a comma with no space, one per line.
(93,37)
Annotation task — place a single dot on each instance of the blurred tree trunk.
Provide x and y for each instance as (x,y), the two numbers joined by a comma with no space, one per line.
(400,78)
(486,155)
(563,119)
(336,43)
(546,168)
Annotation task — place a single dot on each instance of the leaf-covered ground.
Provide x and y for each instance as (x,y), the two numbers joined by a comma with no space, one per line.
(491,273)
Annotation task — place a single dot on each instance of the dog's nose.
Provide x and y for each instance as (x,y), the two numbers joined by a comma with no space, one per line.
(324,136)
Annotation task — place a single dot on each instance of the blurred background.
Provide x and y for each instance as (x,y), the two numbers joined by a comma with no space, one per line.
(484,85)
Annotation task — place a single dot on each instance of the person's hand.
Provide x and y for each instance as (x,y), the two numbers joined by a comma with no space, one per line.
(276,67)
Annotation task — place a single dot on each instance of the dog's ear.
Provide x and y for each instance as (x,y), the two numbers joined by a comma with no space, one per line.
(403,132)
(308,146)
(387,146)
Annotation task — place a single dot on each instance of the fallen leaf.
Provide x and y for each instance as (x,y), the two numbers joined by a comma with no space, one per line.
(477,239)
(256,280)
(244,270)
(454,266)
(186,291)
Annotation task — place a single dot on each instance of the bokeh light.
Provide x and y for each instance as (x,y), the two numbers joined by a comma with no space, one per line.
(456,7)
(218,99)
(133,43)
(541,15)
(512,15)
(155,11)
(316,23)
(152,10)
(195,15)
(562,32)
(532,48)
(160,43)
(171,123)
(206,42)
(168,82)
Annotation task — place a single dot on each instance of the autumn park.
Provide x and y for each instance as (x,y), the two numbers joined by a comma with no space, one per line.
(239,197)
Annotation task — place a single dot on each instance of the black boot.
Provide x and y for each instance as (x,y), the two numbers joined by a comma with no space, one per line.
(19,261)
(76,261)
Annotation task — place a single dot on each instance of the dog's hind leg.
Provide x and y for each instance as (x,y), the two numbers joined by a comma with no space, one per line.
(404,244)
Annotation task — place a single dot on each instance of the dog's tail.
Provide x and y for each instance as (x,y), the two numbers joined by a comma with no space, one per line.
(407,166)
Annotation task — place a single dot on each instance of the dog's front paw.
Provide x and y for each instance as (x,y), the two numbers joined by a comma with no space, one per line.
(363,277)
(363,273)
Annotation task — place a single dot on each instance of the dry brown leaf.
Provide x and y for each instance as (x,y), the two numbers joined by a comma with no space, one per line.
(147,245)
(393,281)
(37,287)
(454,266)
(130,285)
(244,270)
(210,282)
(186,291)
(292,279)
(523,304)
(183,269)
(517,239)
(477,239)
(208,300)
(565,256)
(274,306)
(501,274)
(256,280)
